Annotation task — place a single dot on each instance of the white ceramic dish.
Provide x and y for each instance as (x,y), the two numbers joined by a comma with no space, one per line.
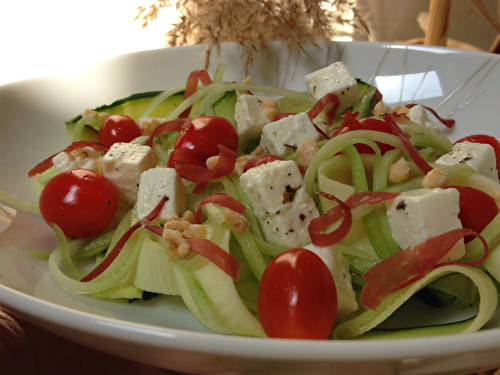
(462,85)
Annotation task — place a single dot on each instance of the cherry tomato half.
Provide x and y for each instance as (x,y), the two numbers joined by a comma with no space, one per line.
(205,133)
(118,128)
(477,208)
(297,297)
(81,202)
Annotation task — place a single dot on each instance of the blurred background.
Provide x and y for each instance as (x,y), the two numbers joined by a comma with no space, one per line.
(64,36)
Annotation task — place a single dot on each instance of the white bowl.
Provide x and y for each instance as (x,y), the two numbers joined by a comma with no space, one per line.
(162,332)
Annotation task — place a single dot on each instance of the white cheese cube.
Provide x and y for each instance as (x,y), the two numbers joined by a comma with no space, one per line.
(282,136)
(339,267)
(419,115)
(156,183)
(417,215)
(479,156)
(252,113)
(84,158)
(336,79)
(123,165)
(278,196)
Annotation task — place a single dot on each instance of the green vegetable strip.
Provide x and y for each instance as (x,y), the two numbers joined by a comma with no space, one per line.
(94,247)
(340,142)
(452,171)
(252,254)
(357,168)
(266,247)
(217,92)
(84,121)
(423,140)
(197,293)
(40,180)
(363,107)
(381,170)
(226,86)
(64,251)
(375,222)
(491,234)
(161,97)
(444,143)
(219,73)
(114,273)
(18,204)
(371,318)
(236,189)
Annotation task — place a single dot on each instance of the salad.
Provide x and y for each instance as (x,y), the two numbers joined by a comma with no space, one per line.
(272,212)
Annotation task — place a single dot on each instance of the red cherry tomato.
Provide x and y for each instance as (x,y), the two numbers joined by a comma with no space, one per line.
(205,133)
(118,128)
(477,208)
(297,297)
(81,202)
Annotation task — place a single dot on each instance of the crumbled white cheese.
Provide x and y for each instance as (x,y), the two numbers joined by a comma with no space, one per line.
(85,158)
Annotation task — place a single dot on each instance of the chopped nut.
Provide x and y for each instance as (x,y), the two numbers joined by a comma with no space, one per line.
(148,126)
(103,115)
(399,172)
(270,108)
(306,151)
(99,166)
(379,109)
(178,225)
(89,113)
(196,230)
(239,222)
(495,194)
(436,178)
(188,216)
(179,247)
(401,109)
(239,167)
(257,151)
(212,162)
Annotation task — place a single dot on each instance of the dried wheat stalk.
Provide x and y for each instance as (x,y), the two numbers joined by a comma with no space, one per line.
(253,23)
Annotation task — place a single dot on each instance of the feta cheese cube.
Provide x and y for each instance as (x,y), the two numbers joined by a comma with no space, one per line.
(336,79)
(339,267)
(480,157)
(282,136)
(419,115)
(123,165)
(280,201)
(85,158)
(156,183)
(252,113)
(417,215)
